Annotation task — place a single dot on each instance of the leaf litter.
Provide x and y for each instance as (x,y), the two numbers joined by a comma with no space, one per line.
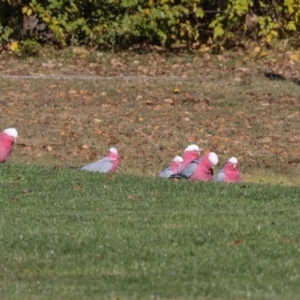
(150,120)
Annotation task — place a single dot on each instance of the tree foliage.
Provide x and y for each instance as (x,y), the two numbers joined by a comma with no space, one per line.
(123,23)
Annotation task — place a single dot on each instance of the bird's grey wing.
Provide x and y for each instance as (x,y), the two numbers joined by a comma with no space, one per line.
(166,173)
(220,176)
(190,169)
(103,166)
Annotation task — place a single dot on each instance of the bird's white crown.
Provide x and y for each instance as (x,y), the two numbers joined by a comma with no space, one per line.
(192,147)
(213,158)
(11,132)
(233,160)
(113,150)
(178,159)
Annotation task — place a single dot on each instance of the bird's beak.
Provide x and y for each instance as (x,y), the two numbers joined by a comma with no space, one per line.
(234,166)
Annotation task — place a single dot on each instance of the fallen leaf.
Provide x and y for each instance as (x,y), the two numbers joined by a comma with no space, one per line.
(294,57)
(256,50)
(98,131)
(72,92)
(237,242)
(149,102)
(170,101)
(250,153)
(77,187)
(110,177)
(97,120)
(14,46)
(155,192)
(131,197)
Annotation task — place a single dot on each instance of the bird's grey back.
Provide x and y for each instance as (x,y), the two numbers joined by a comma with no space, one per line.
(103,166)
(166,173)
(220,177)
(190,169)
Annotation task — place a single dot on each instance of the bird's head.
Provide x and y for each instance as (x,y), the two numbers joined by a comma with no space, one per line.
(191,152)
(213,159)
(233,162)
(193,148)
(178,159)
(113,152)
(12,133)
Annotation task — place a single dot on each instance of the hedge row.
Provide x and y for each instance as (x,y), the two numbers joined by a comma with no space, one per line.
(123,23)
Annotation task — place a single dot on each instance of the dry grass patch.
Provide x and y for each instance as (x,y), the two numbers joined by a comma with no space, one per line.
(220,104)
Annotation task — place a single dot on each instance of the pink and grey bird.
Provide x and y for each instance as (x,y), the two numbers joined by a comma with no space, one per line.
(230,172)
(190,153)
(108,164)
(204,168)
(190,162)
(7,138)
(172,169)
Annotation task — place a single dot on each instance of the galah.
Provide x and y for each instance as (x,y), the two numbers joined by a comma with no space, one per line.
(204,168)
(173,168)
(7,139)
(108,164)
(230,172)
(190,153)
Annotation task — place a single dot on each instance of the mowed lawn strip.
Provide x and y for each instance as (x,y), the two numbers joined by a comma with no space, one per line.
(69,234)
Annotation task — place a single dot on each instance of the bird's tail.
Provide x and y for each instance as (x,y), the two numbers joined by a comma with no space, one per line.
(178,176)
(72,167)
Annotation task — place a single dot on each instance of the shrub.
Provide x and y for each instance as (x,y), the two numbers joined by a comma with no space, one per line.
(123,23)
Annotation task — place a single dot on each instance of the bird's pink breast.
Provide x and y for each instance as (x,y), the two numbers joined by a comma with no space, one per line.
(202,174)
(6,143)
(203,171)
(232,176)
(115,163)
(174,167)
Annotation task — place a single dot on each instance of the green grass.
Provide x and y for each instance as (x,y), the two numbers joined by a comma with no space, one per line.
(68,234)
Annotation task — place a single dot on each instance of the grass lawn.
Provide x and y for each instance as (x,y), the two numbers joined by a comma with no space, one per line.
(70,234)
